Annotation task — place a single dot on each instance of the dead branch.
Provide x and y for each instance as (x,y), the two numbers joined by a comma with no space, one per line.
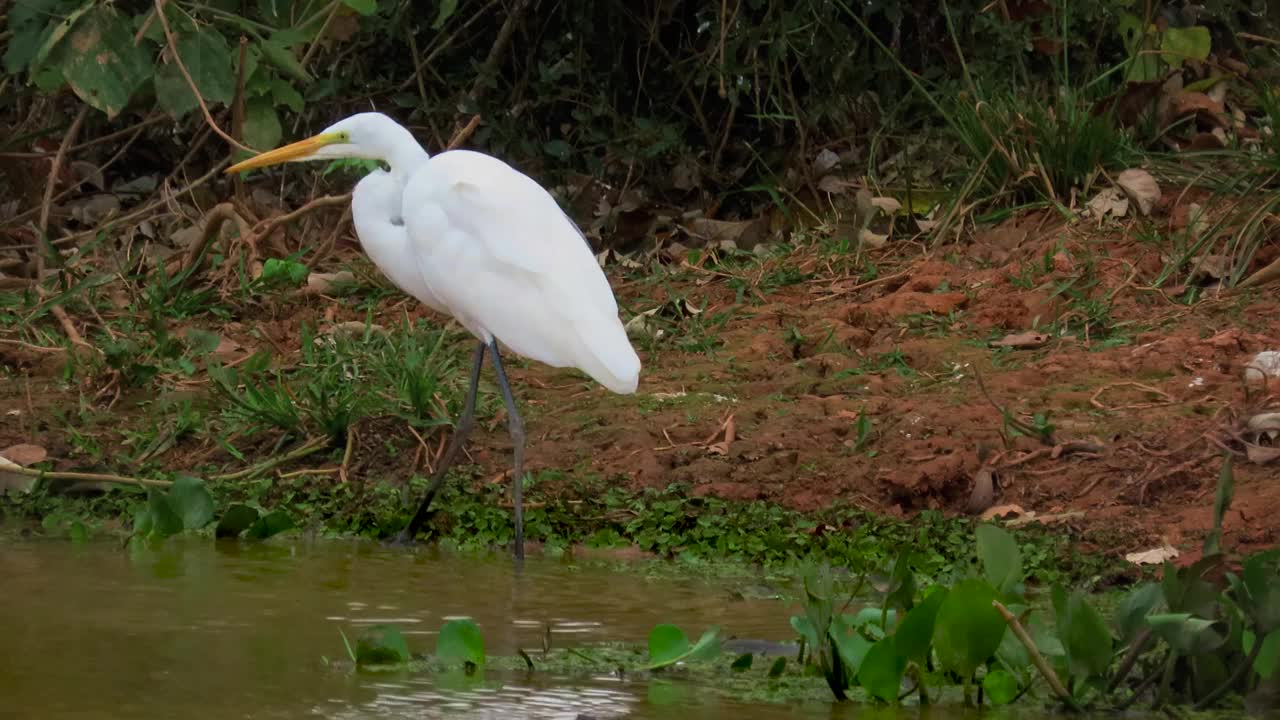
(12,467)
(58,160)
(1037,659)
(212,224)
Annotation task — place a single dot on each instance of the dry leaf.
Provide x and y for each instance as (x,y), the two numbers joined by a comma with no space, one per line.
(1261,455)
(1111,201)
(984,491)
(321,283)
(1262,366)
(872,240)
(1141,188)
(1000,511)
(835,185)
(25,454)
(1154,556)
(825,161)
(729,428)
(17,456)
(1026,339)
(888,205)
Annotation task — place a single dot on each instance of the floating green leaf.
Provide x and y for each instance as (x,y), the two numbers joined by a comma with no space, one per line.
(460,641)
(235,520)
(1000,687)
(742,662)
(968,629)
(778,667)
(1000,556)
(915,634)
(273,523)
(668,645)
(165,521)
(881,670)
(192,501)
(381,645)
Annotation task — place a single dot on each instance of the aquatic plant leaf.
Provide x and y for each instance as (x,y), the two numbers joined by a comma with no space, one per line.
(742,662)
(381,645)
(1258,590)
(915,634)
(849,644)
(142,520)
(1000,687)
(1084,634)
(1186,633)
(779,666)
(1000,556)
(901,592)
(668,645)
(870,619)
(968,629)
(273,523)
(460,640)
(192,501)
(1131,614)
(804,628)
(235,520)
(165,521)
(1268,660)
(881,670)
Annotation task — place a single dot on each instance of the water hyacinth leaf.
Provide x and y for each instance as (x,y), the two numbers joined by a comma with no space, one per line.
(1000,687)
(273,523)
(460,641)
(1012,653)
(1000,556)
(235,520)
(804,628)
(165,521)
(192,501)
(100,62)
(849,643)
(1268,660)
(902,582)
(881,670)
(1084,634)
(915,634)
(742,662)
(1186,633)
(142,520)
(1131,614)
(668,645)
(207,57)
(778,667)
(381,645)
(968,629)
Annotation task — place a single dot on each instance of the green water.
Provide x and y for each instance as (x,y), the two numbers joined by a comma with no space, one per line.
(196,629)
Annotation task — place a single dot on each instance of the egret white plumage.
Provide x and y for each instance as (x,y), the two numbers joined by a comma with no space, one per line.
(471,236)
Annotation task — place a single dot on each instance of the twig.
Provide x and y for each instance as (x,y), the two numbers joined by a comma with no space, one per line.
(1036,658)
(212,223)
(333,11)
(346,454)
(177,58)
(268,226)
(464,133)
(307,448)
(10,466)
(43,228)
(1130,658)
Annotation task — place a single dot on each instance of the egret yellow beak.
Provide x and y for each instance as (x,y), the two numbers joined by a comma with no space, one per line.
(293,151)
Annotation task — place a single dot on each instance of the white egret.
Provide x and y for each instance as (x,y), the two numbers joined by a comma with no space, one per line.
(471,236)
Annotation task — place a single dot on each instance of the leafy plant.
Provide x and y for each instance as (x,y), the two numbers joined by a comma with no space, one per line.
(669,645)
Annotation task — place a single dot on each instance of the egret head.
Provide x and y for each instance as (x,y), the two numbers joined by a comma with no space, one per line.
(371,135)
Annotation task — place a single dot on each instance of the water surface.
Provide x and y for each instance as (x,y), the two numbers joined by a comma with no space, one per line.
(196,629)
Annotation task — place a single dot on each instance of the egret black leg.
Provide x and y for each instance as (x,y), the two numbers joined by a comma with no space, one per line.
(466,421)
(515,425)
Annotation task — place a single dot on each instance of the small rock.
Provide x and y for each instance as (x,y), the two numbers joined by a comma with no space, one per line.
(1263,366)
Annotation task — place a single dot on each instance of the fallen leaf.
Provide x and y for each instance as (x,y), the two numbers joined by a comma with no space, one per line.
(1262,366)
(1111,201)
(1001,511)
(984,491)
(1028,339)
(1154,556)
(1211,267)
(873,240)
(1188,102)
(729,429)
(835,185)
(353,328)
(888,205)
(1262,455)
(17,456)
(321,283)
(1141,188)
(825,161)
(25,454)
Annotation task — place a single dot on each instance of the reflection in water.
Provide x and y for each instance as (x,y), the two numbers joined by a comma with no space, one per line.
(195,629)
